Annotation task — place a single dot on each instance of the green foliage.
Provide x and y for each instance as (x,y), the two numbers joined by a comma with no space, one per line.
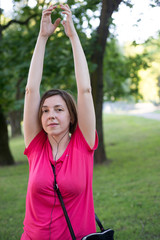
(150,80)
(154,3)
(15,62)
(16,51)
(115,71)
(121,78)
(152,46)
(134,64)
(18,41)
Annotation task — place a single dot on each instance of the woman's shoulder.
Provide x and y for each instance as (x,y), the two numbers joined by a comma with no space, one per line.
(81,142)
(36,143)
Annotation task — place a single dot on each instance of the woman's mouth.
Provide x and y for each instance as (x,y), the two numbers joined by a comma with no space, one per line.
(52,124)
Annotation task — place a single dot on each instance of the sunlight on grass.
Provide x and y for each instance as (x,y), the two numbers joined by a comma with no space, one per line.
(126,190)
(17,148)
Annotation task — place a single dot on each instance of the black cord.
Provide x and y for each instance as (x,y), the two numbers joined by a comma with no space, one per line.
(54,185)
(52,213)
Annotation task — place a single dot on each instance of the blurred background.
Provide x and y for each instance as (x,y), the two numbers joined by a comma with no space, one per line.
(121,40)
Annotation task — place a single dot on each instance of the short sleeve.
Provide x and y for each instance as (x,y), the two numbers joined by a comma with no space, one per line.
(36,145)
(84,142)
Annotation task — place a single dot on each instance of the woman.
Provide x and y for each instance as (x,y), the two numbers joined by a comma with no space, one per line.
(55,132)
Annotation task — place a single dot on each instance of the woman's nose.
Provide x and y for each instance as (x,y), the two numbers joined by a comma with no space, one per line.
(52,115)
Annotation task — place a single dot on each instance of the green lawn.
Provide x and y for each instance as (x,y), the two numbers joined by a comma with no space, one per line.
(126,191)
(158,111)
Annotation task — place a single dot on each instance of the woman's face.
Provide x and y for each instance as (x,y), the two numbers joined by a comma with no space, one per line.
(55,116)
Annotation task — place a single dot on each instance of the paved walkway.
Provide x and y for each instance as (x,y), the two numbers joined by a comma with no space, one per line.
(146,110)
(150,115)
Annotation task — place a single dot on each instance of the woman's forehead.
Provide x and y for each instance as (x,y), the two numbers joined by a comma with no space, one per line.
(55,100)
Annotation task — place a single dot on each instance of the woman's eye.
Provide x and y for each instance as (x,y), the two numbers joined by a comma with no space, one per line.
(44,111)
(59,109)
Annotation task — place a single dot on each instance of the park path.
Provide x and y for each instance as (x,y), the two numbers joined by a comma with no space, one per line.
(145,110)
(149,115)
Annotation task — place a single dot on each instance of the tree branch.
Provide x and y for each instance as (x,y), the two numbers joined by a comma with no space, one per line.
(3,27)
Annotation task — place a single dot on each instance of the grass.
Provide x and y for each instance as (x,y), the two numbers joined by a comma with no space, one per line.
(126,191)
(13,184)
(158,111)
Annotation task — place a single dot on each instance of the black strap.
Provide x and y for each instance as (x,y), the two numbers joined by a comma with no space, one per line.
(99,223)
(63,206)
(65,211)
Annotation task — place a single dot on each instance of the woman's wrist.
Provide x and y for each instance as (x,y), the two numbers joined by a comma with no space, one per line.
(42,38)
(73,36)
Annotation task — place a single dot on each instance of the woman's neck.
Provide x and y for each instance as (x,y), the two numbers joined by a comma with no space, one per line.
(59,144)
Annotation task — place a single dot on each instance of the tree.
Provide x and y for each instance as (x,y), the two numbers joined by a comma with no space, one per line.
(17,44)
(99,45)
(102,33)
(5,154)
(6,157)
(94,48)
(16,55)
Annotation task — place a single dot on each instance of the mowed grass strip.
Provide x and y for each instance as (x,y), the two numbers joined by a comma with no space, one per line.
(126,190)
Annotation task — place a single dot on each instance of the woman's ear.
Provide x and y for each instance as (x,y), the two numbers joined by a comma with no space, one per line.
(71,121)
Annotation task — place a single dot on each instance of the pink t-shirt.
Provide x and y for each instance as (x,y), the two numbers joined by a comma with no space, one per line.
(44,218)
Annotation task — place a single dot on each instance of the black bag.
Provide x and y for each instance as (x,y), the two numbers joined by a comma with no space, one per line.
(106,235)
(103,235)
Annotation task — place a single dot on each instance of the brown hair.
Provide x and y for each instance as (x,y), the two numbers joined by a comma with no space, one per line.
(70,102)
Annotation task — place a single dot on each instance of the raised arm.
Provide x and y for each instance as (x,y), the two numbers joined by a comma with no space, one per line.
(85,106)
(32,96)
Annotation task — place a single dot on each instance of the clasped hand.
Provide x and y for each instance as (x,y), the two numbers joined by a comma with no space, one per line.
(47,27)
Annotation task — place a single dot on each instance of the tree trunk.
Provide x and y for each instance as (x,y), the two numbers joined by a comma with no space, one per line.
(108,7)
(16,115)
(97,86)
(5,154)
(15,121)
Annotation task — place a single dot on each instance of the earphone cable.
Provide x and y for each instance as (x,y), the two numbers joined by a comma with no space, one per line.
(54,187)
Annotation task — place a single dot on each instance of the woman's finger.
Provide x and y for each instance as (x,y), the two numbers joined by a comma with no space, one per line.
(49,10)
(66,12)
(67,6)
(51,7)
(57,22)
